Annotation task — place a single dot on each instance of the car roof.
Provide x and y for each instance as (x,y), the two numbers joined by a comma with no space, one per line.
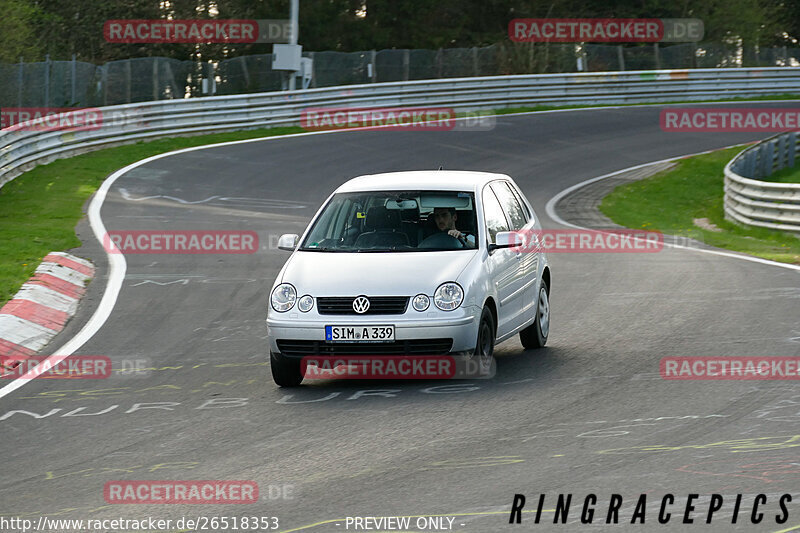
(442,180)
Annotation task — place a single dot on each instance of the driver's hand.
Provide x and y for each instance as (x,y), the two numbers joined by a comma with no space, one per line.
(455,233)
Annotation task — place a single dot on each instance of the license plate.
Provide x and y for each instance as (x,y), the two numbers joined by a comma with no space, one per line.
(359,333)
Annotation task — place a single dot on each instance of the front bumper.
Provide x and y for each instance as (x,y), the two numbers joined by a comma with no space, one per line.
(460,325)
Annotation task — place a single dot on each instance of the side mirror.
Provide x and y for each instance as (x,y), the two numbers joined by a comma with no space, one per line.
(507,239)
(288,242)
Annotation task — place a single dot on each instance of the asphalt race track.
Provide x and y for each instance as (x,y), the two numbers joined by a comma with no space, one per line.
(587,415)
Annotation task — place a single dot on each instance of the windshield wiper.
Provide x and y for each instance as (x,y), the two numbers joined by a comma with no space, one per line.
(323,249)
(386,249)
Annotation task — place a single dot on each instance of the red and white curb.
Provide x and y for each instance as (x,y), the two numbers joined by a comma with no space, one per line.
(42,307)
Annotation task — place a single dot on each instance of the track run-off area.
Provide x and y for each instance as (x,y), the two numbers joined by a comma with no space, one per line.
(589,414)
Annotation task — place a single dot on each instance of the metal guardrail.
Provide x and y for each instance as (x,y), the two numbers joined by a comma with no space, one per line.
(753,202)
(21,150)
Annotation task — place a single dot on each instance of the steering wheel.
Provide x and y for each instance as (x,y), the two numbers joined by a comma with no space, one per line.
(441,240)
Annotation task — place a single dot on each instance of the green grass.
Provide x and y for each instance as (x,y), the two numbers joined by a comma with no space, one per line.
(39,209)
(671,200)
(787,175)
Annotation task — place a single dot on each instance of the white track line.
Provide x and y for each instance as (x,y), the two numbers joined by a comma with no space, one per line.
(118,266)
(550,208)
(117,263)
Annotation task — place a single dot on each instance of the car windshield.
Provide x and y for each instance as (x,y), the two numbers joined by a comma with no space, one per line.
(395,221)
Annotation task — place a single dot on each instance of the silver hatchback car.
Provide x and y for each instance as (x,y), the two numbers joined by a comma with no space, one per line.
(407,264)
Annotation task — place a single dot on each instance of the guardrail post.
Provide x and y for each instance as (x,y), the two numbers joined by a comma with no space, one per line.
(750,163)
(620,57)
(47,80)
(20,78)
(246,74)
(773,156)
(439,63)
(373,56)
(757,169)
(779,164)
(156,85)
(104,82)
(475,61)
(128,81)
(406,63)
(760,164)
(767,155)
(580,59)
(791,148)
(313,70)
(73,74)
(657,56)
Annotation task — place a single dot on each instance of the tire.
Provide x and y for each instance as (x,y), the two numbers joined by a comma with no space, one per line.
(535,335)
(285,372)
(484,344)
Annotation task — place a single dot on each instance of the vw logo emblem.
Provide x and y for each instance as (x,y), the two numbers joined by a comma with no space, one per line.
(361,304)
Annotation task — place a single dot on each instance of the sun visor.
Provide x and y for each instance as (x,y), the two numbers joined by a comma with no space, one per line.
(459,201)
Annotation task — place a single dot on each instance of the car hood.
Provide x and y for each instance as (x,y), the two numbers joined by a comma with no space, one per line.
(378,274)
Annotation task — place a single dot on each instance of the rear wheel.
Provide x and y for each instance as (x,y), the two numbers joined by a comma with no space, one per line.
(285,372)
(535,335)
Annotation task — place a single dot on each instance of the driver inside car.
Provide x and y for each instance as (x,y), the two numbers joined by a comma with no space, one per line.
(445,218)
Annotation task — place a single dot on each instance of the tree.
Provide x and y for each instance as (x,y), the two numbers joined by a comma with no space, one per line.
(18,31)
(64,27)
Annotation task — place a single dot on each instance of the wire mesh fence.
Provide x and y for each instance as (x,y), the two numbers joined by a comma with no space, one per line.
(79,84)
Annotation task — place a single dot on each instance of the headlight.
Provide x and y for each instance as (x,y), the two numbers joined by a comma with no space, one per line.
(283,297)
(448,296)
(420,302)
(305,303)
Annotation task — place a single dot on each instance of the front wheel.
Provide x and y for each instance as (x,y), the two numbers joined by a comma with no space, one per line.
(484,345)
(535,335)
(285,372)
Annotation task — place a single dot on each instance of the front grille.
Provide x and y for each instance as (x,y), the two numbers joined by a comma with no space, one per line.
(410,347)
(378,305)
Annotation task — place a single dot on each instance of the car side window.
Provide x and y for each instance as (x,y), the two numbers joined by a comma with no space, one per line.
(518,195)
(493,213)
(511,207)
